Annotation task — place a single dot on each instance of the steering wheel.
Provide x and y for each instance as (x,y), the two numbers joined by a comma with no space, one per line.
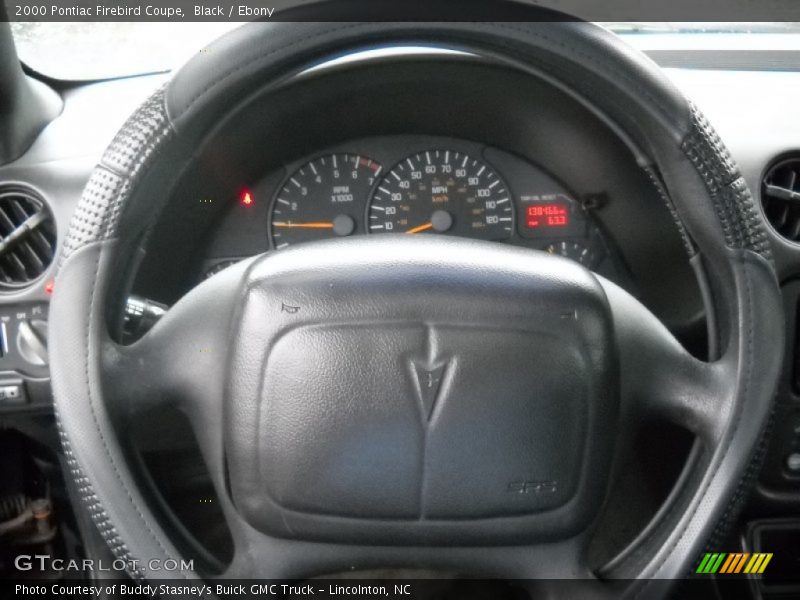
(381,401)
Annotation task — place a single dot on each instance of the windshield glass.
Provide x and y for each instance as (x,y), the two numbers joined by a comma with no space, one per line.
(85,51)
(704,27)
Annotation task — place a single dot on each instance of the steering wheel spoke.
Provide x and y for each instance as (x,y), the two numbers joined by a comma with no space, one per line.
(277,559)
(181,360)
(659,378)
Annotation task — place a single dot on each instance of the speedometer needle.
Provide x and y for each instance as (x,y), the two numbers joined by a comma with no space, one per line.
(304,225)
(419,228)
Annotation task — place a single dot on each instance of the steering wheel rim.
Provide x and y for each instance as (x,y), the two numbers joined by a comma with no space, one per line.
(701,184)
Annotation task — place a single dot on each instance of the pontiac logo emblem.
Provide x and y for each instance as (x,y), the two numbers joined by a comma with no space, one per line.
(429,380)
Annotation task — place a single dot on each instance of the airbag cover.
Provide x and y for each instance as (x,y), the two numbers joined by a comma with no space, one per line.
(361,402)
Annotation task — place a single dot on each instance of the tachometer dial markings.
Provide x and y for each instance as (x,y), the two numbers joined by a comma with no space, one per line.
(323,198)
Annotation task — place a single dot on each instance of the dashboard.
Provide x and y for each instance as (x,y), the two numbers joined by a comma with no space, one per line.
(573,186)
(425,185)
(416,145)
(420,144)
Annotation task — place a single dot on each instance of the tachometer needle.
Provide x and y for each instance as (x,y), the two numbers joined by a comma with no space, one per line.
(304,225)
(419,228)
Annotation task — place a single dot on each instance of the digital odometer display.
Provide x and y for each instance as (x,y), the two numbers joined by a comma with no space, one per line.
(442,191)
(545,216)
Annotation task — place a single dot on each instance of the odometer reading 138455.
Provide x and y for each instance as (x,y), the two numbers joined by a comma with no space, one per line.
(442,191)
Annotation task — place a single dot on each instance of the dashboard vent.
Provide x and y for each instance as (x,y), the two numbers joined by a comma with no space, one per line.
(27,237)
(780,197)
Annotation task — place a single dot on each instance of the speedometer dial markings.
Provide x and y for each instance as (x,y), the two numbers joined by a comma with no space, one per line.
(442,191)
(323,198)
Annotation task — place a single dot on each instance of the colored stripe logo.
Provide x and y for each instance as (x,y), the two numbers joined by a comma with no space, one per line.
(733,563)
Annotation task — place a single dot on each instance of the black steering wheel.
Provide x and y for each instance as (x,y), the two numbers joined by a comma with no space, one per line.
(402,402)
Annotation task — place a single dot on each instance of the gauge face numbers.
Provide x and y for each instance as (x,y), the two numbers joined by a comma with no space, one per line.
(324,198)
(441,191)
(577,251)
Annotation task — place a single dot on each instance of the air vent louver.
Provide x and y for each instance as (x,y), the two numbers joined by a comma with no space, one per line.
(780,197)
(27,237)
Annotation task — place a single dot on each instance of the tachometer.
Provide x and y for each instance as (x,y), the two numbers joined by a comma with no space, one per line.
(323,198)
(442,191)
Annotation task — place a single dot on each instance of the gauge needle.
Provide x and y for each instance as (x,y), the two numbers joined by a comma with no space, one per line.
(419,228)
(305,225)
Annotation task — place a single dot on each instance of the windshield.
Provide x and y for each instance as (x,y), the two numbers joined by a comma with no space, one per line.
(86,51)
(699,28)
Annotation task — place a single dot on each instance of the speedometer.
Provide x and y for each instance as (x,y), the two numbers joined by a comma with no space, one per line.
(442,191)
(323,198)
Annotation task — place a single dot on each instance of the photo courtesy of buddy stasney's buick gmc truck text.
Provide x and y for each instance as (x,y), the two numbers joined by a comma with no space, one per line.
(257,590)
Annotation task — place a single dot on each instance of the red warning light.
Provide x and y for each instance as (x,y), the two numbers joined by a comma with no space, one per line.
(247,198)
(49,287)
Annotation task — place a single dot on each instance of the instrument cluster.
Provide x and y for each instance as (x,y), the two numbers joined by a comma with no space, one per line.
(424,185)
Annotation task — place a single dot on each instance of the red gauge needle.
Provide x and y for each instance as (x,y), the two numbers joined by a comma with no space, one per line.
(419,228)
